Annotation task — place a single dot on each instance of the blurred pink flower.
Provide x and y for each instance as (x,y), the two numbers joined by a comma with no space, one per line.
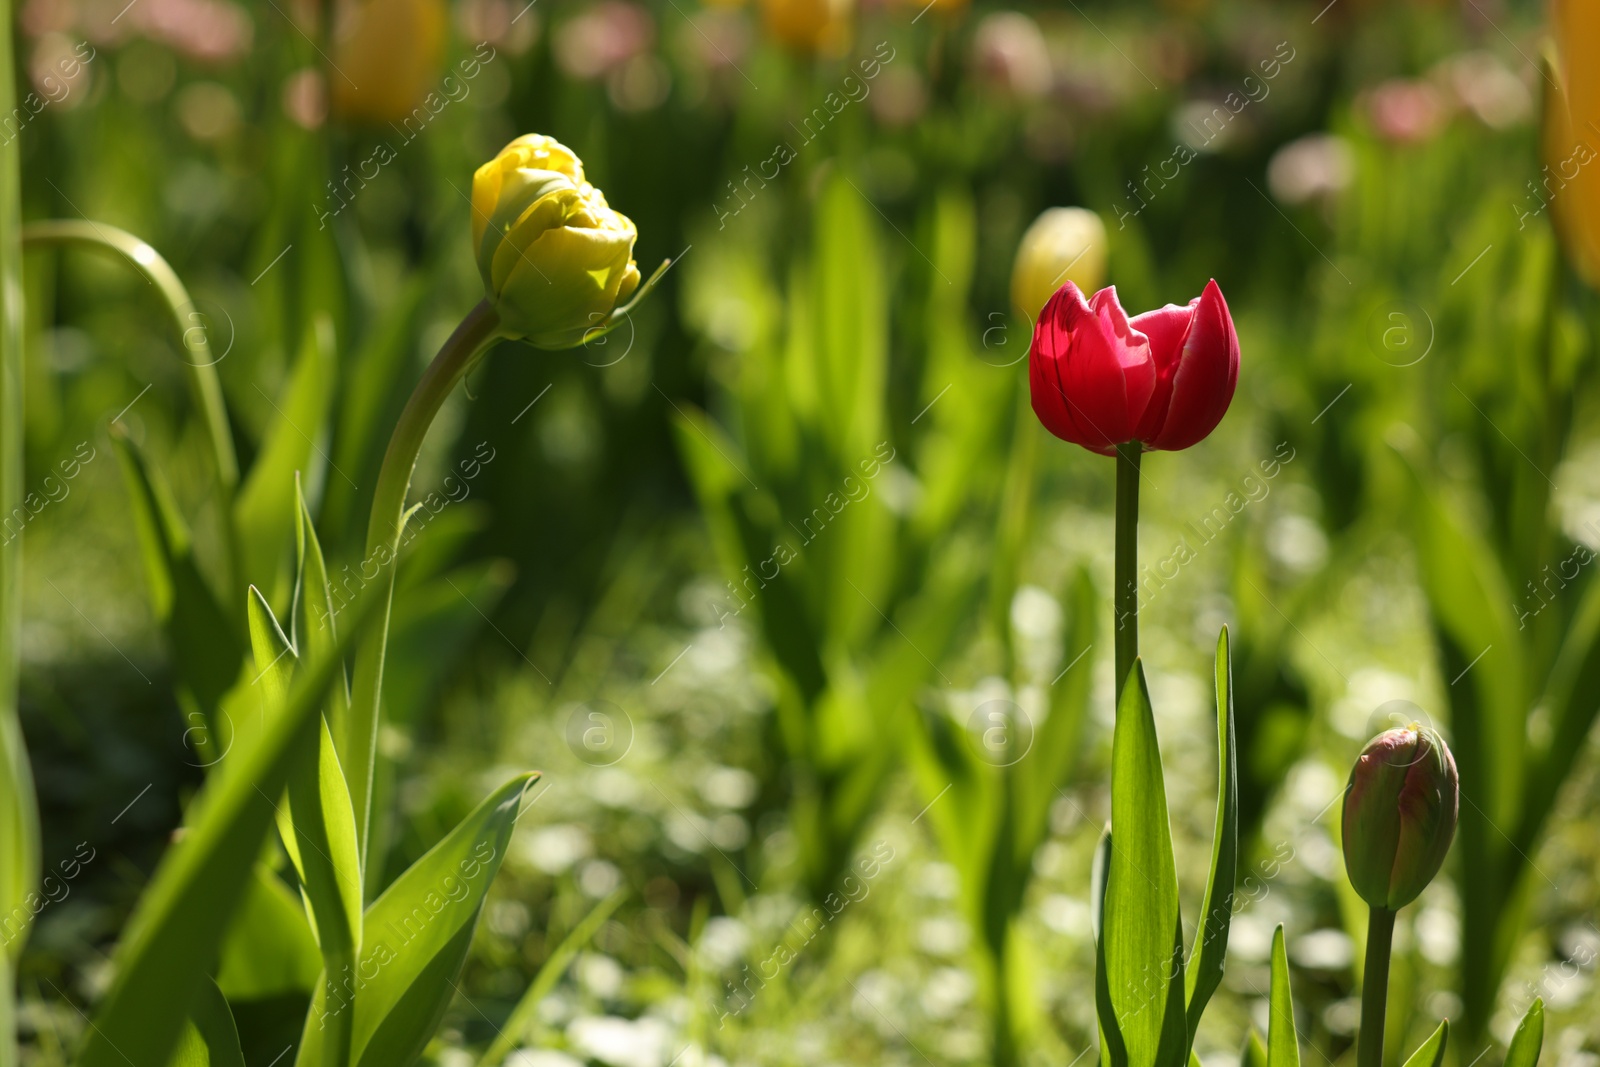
(1405,111)
(603,38)
(717,39)
(510,27)
(900,97)
(1314,167)
(305,98)
(1010,55)
(59,70)
(39,17)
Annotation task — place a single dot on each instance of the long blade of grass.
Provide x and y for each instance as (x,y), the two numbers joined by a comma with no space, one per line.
(521,1017)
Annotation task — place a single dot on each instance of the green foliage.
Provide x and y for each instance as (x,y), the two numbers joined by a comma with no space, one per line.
(1283,1041)
(1529,1038)
(805,495)
(1149,997)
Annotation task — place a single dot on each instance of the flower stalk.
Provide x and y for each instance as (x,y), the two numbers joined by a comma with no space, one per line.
(1375,987)
(1125,600)
(459,354)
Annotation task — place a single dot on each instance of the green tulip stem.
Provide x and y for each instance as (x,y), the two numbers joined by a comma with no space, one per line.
(192,330)
(1375,987)
(459,355)
(1125,601)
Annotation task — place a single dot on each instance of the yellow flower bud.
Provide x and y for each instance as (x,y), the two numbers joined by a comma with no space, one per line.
(1064,244)
(386,56)
(1571,117)
(555,259)
(809,25)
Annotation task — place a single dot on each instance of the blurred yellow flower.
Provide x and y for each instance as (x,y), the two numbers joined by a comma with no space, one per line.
(1064,244)
(809,25)
(555,259)
(1572,132)
(386,56)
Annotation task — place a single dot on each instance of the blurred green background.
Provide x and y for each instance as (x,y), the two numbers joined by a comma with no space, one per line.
(841,189)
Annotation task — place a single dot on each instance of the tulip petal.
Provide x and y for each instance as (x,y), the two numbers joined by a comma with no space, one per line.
(575,289)
(1204,374)
(1085,362)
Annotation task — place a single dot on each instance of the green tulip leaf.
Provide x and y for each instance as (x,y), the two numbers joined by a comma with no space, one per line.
(213,1020)
(1529,1038)
(1283,1045)
(414,941)
(265,510)
(269,949)
(202,639)
(1431,1052)
(1254,1051)
(178,926)
(1143,932)
(1216,910)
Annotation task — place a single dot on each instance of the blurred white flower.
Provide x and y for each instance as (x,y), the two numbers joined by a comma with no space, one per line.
(728,787)
(943,936)
(1297,543)
(1066,915)
(553,849)
(1438,935)
(601,976)
(621,1042)
(938,881)
(1010,54)
(1323,950)
(1487,88)
(528,1057)
(723,942)
(1314,167)
(599,878)
(947,991)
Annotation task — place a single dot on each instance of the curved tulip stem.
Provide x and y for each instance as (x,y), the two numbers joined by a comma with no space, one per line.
(201,361)
(1375,987)
(459,355)
(186,318)
(1125,600)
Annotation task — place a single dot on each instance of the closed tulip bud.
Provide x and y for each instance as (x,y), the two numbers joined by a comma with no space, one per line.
(555,259)
(1571,179)
(1065,244)
(386,56)
(820,26)
(1164,378)
(1400,813)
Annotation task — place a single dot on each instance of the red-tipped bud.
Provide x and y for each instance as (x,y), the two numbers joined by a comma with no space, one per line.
(1400,813)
